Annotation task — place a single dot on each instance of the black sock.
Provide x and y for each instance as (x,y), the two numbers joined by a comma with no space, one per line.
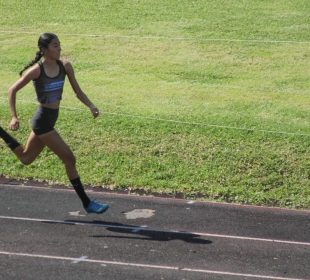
(8,139)
(77,185)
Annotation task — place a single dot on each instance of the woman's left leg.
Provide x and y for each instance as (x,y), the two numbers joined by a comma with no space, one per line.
(26,154)
(31,151)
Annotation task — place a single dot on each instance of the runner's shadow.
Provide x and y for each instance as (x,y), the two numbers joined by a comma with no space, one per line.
(143,233)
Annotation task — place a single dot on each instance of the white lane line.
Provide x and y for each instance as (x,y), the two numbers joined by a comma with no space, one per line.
(78,260)
(140,265)
(115,36)
(133,228)
(254,239)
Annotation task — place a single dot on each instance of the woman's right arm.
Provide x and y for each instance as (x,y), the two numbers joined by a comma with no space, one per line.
(31,74)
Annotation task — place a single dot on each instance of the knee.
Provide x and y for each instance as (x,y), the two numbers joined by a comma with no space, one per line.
(69,159)
(26,156)
(26,160)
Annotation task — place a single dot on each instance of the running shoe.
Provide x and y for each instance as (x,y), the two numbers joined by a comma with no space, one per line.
(96,207)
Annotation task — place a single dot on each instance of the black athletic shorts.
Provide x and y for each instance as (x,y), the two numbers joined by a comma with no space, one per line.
(44,120)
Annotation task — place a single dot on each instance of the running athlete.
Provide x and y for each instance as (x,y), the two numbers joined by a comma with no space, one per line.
(48,74)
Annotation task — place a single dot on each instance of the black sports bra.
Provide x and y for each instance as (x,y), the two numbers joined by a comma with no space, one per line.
(49,90)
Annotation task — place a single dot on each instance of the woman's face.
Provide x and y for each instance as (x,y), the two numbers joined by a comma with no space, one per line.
(53,50)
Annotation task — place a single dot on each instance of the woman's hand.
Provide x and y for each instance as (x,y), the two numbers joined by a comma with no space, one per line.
(94,110)
(14,124)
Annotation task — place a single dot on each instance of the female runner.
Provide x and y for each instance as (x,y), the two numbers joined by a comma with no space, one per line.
(48,74)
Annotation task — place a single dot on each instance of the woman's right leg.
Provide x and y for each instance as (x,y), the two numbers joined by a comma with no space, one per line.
(56,144)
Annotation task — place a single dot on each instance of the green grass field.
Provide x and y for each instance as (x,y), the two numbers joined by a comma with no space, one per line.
(208,99)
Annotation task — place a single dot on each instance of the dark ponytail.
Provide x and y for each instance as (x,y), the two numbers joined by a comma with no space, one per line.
(33,62)
(44,40)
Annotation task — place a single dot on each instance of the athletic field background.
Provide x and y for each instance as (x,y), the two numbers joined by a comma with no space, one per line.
(207,99)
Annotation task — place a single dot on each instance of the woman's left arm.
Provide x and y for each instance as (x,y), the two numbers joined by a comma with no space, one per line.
(78,91)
